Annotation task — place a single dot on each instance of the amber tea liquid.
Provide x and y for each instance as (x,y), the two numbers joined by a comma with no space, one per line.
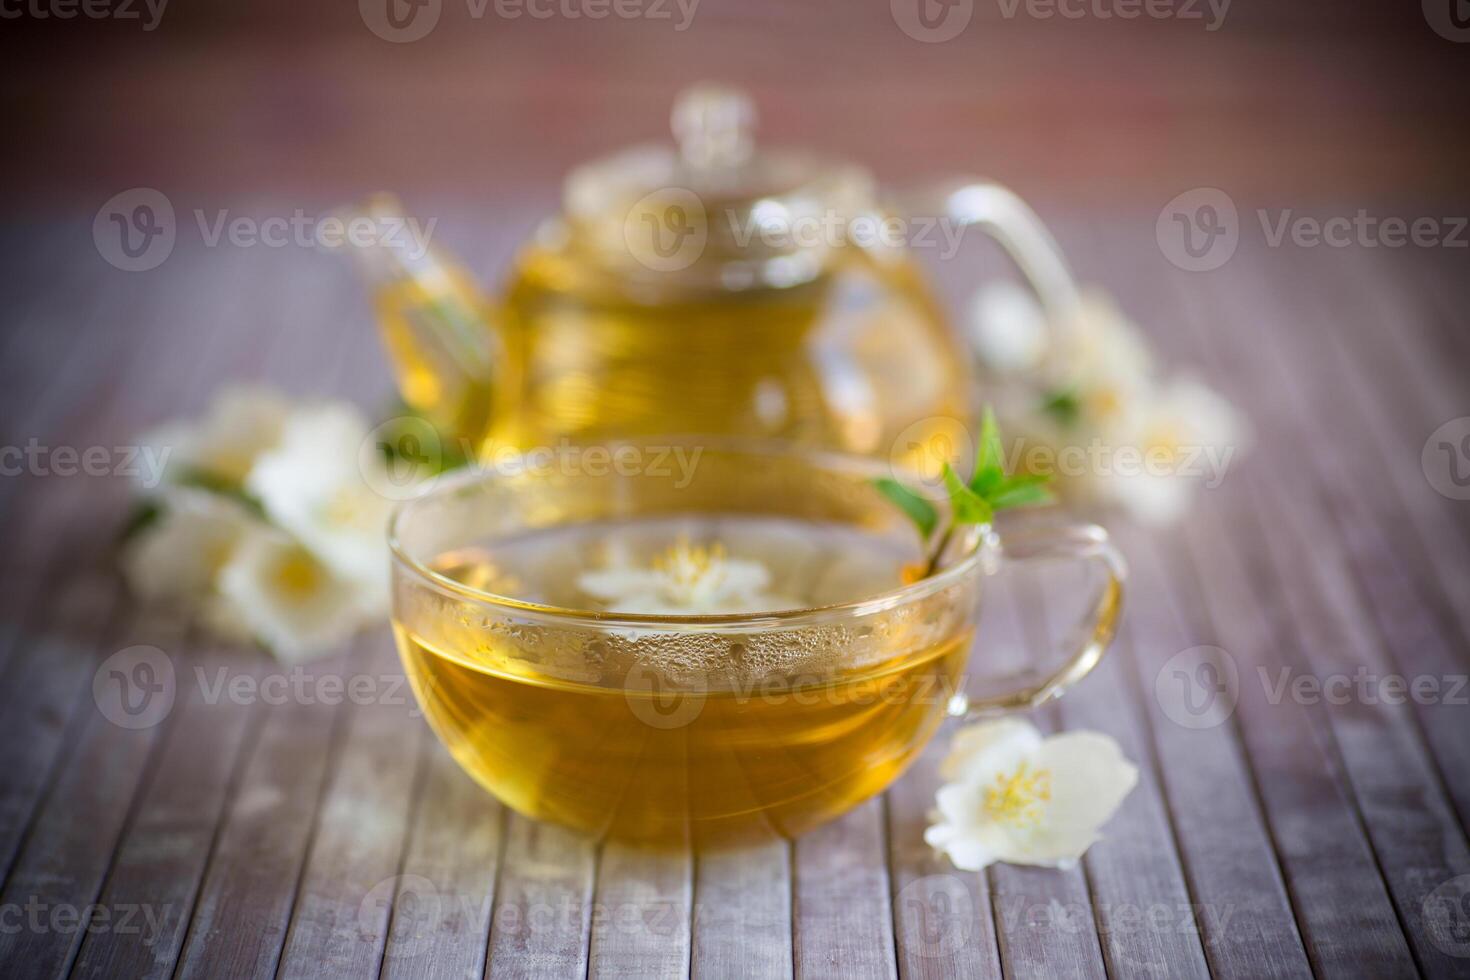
(691,738)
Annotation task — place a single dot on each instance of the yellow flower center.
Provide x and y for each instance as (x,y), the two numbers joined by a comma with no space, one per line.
(1163,444)
(345,509)
(687,566)
(1017,799)
(298,575)
(1105,403)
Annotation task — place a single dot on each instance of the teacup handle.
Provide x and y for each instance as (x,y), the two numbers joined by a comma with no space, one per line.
(1009,221)
(1081,542)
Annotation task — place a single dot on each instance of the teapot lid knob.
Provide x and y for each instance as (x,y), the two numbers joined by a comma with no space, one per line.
(714,125)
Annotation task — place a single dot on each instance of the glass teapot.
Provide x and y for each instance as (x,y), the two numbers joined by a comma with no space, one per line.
(709,288)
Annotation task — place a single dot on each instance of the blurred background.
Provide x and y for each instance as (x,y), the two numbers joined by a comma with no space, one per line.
(1066,100)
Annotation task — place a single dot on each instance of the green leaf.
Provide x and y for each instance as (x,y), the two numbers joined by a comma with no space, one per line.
(988,491)
(990,454)
(989,457)
(919,510)
(451,453)
(1064,406)
(145,514)
(1020,491)
(967,506)
(223,486)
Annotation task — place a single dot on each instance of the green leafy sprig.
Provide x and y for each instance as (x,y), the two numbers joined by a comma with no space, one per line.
(991,489)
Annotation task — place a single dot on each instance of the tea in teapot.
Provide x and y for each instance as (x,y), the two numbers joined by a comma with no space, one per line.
(710,288)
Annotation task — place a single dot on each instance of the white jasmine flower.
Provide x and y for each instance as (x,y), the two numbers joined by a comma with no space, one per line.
(312,484)
(1184,436)
(1017,797)
(178,556)
(686,580)
(1101,359)
(242,422)
(1093,408)
(293,603)
(1008,328)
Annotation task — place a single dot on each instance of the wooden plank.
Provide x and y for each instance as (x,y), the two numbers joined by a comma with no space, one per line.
(63,860)
(1397,577)
(542,918)
(40,700)
(1292,773)
(1147,922)
(165,853)
(80,401)
(1045,922)
(1411,825)
(641,913)
(1238,895)
(161,858)
(1398,406)
(241,919)
(441,904)
(1229,860)
(742,912)
(942,921)
(842,915)
(244,905)
(340,917)
(49,678)
(1345,914)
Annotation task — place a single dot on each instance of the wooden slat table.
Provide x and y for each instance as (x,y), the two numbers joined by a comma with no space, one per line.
(276,834)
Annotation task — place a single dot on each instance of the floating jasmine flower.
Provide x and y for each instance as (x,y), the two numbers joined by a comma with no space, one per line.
(686,580)
(1015,796)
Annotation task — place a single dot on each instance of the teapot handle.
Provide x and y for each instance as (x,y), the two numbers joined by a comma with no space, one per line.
(1001,214)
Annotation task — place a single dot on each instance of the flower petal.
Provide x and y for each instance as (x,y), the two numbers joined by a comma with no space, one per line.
(740,577)
(979,752)
(966,852)
(619,583)
(294,604)
(312,485)
(179,556)
(1090,778)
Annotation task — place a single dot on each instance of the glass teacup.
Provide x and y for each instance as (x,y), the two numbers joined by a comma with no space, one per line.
(697,644)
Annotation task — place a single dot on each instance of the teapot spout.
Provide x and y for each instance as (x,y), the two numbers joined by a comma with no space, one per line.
(445,349)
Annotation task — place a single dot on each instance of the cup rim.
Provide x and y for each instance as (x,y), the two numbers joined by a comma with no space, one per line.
(663,622)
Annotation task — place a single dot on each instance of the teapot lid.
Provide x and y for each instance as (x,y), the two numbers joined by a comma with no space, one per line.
(715,205)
